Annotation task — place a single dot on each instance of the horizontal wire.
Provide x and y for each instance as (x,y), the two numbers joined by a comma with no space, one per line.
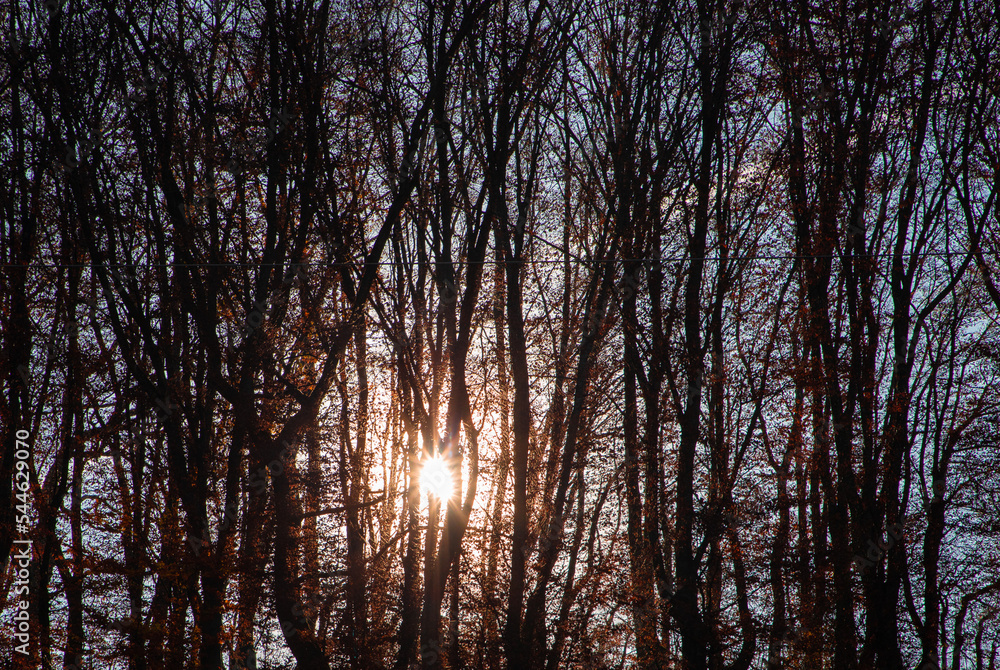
(666,259)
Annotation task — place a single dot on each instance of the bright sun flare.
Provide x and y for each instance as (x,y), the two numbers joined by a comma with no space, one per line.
(435,478)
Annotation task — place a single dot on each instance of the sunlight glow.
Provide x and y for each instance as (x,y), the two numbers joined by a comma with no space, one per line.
(435,478)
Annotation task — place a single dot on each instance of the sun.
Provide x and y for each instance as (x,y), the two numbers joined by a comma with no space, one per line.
(435,478)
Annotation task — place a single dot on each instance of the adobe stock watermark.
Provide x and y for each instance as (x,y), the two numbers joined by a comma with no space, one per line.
(553,535)
(409,166)
(23,370)
(164,408)
(53,7)
(431,651)
(938,489)
(302,622)
(816,99)
(718,23)
(793,635)
(21,558)
(930,663)
(407,171)
(257,484)
(856,229)
(363,52)
(447,290)
(900,16)
(876,550)
(148,83)
(243,658)
(20,47)
(897,18)
(246,150)
(204,193)
(295,277)
(52,344)
(79,151)
(669,595)
(618,294)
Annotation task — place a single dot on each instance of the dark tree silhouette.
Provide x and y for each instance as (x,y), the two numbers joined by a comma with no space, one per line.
(500,335)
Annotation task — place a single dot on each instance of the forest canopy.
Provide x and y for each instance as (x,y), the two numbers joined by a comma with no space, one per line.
(491,334)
